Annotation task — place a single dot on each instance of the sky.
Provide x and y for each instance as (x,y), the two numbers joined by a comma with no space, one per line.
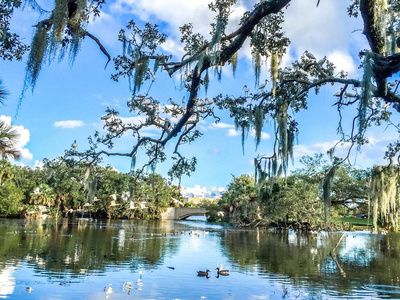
(69,99)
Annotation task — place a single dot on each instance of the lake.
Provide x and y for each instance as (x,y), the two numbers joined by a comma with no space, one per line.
(123,259)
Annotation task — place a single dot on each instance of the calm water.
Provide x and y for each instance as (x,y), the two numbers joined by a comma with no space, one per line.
(82,259)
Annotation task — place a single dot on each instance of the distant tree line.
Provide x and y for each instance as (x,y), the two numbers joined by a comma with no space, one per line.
(297,201)
(64,189)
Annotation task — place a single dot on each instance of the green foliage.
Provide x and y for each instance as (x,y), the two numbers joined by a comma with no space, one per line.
(11,45)
(10,199)
(239,202)
(139,49)
(292,202)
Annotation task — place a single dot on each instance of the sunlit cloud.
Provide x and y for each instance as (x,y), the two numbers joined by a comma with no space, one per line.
(343,61)
(233,132)
(264,135)
(69,124)
(221,125)
(202,191)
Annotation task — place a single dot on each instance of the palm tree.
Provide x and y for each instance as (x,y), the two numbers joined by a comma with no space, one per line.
(9,137)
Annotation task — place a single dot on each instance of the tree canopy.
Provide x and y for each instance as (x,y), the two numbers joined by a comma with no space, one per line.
(143,59)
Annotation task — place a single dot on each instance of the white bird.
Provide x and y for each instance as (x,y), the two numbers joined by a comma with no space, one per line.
(140,96)
(350,95)
(337,94)
(302,72)
(173,102)
(246,90)
(321,61)
(262,86)
(309,55)
(107,116)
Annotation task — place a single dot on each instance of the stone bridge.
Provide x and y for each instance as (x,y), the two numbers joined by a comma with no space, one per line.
(181,213)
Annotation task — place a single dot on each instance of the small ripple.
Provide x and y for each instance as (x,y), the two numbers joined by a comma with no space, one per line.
(382,288)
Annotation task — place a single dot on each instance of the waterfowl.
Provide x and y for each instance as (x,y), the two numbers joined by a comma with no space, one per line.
(222,272)
(202,273)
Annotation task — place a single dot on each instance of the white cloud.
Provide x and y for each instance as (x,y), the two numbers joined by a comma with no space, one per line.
(69,124)
(39,165)
(25,154)
(370,154)
(106,28)
(161,11)
(233,132)
(24,136)
(321,30)
(202,192)
(343,61)
(221,125)
(264,135)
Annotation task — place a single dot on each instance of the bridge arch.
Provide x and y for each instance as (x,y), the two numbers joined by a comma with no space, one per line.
(181,213)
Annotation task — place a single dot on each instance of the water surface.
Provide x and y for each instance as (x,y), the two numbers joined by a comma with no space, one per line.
(88,259)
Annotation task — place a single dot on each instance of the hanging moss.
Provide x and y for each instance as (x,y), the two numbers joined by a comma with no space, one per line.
(133,163)
(258,123)
(326,191)
(76,26)
(366,93)
(141,66)
(385,196)
(274,72)
(206,81)
(234,62)
(283,132)
(257,67)
(37,54)
(59,19)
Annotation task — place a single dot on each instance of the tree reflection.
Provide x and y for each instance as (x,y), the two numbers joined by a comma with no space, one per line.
(83,246)
(303,257)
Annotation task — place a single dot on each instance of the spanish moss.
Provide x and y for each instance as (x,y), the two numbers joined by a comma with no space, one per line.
(274,72)
(258,123)
(366,94)
(385,196)
(234,62)
(326,192)
(257,67)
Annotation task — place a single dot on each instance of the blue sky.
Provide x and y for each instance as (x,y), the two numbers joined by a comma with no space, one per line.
(68,101)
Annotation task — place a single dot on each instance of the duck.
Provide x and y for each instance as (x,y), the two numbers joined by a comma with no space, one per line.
(203,273)
(222,272)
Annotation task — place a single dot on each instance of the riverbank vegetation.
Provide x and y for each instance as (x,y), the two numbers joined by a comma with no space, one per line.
(64,189)
(296,201)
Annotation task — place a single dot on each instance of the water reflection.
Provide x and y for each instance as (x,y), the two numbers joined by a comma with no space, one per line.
(151,260)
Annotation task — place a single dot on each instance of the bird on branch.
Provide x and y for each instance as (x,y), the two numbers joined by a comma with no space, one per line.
(246,90)
(262,86)
(309,55)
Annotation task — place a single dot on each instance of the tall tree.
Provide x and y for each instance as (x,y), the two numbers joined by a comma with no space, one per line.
(288,94)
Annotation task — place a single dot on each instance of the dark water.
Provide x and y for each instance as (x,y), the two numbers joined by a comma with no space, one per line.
(84,259)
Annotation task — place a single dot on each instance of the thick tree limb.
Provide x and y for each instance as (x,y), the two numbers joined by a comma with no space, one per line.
(102,48)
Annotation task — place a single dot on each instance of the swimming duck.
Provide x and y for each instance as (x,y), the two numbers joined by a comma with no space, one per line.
(202,273)
(222,272)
